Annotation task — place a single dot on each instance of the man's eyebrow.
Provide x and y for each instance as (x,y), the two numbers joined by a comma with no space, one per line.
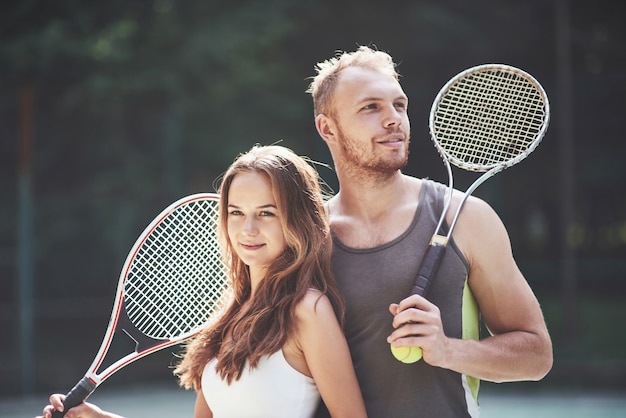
(378,98)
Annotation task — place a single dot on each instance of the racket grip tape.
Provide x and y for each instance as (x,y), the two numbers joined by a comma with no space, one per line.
(76,396)
(428,269)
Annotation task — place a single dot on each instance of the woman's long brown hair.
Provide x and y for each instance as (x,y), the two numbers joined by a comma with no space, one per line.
(262,327)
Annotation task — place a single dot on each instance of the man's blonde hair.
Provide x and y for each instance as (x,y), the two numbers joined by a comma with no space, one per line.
(324,82)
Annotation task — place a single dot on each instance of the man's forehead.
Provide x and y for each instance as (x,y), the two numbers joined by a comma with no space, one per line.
(364,82)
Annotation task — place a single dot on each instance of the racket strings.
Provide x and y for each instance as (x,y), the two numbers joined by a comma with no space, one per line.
(172,291)
(488,118)
(177,279)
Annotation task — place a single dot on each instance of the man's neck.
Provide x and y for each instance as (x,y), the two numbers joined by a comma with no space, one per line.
(367,194)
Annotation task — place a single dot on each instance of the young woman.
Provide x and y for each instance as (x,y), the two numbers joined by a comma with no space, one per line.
(279,346)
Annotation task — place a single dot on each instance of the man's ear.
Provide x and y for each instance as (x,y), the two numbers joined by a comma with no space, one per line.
(326,128)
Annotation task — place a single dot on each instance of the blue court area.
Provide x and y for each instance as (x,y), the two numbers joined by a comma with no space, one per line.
(168,401)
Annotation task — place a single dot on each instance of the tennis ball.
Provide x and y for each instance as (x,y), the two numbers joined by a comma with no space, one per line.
(407,355)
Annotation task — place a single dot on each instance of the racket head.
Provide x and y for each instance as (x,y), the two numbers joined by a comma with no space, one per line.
(491,116)
(173,282)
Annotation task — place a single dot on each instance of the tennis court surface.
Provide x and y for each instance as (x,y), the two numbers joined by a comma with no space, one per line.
(162,401)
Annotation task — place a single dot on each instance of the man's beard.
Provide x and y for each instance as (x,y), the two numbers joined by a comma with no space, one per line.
(357,159)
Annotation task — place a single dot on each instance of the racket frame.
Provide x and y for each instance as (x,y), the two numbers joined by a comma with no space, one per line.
(92,374)
(92,379)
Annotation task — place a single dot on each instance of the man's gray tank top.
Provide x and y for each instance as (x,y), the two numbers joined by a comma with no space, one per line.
(373,278)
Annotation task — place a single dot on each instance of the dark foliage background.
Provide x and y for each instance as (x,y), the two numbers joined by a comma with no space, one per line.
(111,110)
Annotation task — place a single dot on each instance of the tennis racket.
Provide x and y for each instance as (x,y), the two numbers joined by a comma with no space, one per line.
(171,286)
(485,119)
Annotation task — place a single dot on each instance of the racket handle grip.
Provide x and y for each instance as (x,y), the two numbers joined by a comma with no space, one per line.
(76,396)
(428,269)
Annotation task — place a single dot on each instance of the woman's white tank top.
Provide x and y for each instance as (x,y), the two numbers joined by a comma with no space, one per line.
(274,389)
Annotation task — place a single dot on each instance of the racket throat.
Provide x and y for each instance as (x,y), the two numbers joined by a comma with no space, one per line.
(142,341)
(439,240)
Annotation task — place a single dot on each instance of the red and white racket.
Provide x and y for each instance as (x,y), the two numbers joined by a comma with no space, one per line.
(173,284)
(485,119)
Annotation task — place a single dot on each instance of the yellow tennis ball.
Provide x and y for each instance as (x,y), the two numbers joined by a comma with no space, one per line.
(407,354)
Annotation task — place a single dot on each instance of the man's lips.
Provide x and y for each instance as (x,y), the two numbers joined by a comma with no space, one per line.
(391,138)
(392,141)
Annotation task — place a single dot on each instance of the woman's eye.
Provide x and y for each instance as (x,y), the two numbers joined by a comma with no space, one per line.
(266,213)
